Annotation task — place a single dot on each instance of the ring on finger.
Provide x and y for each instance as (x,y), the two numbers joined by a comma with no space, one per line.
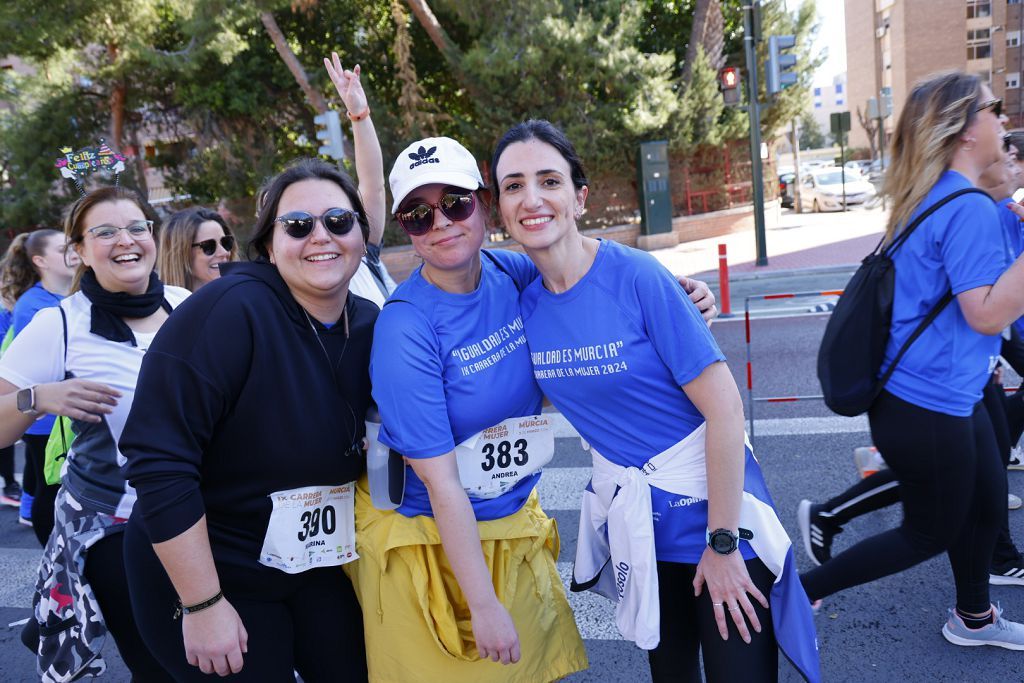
(717,604)
(734,608)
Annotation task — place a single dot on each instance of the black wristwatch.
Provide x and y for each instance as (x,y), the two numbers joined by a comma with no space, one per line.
(724,542)
(27,401)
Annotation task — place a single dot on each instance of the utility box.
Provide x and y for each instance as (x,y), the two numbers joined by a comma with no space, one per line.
(655,196)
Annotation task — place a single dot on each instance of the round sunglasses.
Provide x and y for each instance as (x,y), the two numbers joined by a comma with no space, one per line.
(418,219)
(299,224)
(209,246)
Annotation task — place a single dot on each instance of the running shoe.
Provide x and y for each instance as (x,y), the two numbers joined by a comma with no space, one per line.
(1016,459)
(24,522)
(817,531)
(1008,574)
(11,495)
(1001,633)
(1013,502)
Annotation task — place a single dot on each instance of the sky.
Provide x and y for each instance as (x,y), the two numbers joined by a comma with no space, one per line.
(831,35)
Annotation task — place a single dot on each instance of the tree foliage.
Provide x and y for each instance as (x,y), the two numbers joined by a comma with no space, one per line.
(200,83)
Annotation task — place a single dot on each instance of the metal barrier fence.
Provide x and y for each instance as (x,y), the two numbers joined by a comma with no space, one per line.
(751,399)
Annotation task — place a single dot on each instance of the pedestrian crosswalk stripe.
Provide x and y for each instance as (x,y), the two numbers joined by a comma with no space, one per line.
(787,426)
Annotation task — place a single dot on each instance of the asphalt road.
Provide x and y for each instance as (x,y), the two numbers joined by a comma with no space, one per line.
(885,631)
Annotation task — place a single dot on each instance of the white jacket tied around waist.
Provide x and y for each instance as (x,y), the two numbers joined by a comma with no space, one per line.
(615,554)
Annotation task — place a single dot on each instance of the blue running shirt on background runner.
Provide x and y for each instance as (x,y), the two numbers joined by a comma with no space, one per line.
(446,366)
(612,354)
(960,246)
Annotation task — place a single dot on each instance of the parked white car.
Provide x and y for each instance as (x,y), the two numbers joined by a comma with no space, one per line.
(822,190)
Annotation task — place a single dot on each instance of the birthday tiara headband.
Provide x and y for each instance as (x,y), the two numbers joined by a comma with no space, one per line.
(76,164)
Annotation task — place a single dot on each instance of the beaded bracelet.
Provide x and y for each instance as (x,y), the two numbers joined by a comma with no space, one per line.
(360,116)
(199,606)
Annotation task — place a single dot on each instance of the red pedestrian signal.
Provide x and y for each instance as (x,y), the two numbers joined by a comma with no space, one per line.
(729,84)
(729,78)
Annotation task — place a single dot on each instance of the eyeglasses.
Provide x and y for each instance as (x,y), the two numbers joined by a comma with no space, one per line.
(209,246)
(299,224)
(995,104)
(139,231)
(418,219)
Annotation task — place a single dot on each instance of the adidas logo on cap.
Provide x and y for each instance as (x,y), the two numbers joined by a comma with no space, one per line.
(423,156)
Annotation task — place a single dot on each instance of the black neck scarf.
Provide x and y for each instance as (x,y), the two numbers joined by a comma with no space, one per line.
(109,309)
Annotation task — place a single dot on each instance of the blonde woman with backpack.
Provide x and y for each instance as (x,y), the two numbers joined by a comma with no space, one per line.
(928,420)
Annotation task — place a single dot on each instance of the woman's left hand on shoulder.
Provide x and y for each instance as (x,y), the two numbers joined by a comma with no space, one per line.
(730,588)
(702,297)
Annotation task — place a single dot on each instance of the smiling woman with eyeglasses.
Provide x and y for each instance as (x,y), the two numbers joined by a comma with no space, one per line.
(81,359)
(243,444)
(194,243)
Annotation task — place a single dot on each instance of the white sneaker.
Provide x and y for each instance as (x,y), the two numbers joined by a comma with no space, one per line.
(1016,459)
(1014,502)
(1001,633)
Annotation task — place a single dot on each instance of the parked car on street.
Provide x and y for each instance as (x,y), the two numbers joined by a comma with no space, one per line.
(862,166)
(822,190)
(786,192)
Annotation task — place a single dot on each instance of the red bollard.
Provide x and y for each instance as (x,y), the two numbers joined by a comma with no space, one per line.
(724,307)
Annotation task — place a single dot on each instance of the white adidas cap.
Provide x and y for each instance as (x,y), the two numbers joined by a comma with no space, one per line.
(429,161)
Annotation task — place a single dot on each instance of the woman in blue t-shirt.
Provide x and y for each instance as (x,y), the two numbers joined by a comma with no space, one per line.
(677,525)
(929,421)
(36,274)
(464,570)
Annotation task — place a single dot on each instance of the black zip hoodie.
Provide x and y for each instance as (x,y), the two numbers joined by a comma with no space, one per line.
(242,394)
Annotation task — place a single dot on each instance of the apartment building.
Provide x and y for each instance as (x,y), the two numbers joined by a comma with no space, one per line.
(826,100)
(894,43)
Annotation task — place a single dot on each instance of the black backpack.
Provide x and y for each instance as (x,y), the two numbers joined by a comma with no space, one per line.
(853,346)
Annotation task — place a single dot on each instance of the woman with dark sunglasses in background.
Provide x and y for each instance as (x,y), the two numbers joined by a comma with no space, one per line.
(194,243)
(929,421)
(243,444)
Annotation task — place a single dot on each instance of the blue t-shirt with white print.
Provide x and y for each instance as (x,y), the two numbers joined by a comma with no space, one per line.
(446,366)
(612,354)
(1013,234)
(960,247)
(28,304)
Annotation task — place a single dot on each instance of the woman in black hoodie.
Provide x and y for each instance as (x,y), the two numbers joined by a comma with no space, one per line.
(243,444)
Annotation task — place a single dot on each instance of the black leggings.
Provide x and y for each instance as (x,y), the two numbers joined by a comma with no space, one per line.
(688,629)
(953,488)
(104,570)
(7,465)
(316,629)
(882,489)
(44,495)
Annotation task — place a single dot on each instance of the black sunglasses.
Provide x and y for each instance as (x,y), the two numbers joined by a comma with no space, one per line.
(299,224)
(210,246)
(456,204)
(996,105)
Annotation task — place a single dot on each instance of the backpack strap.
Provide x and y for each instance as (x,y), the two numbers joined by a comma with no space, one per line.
(902,237)
(928,319)
(941,303)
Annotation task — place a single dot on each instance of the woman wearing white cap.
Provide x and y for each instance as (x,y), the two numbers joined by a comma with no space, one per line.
(464,570)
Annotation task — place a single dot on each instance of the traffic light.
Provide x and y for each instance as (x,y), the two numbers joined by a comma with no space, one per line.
(779,72)
(729,84)
(329,131)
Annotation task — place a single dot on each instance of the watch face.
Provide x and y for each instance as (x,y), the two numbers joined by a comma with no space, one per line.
(25,400)
(722,542)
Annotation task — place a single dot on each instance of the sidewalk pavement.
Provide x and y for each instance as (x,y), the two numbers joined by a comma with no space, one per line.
(798,244)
